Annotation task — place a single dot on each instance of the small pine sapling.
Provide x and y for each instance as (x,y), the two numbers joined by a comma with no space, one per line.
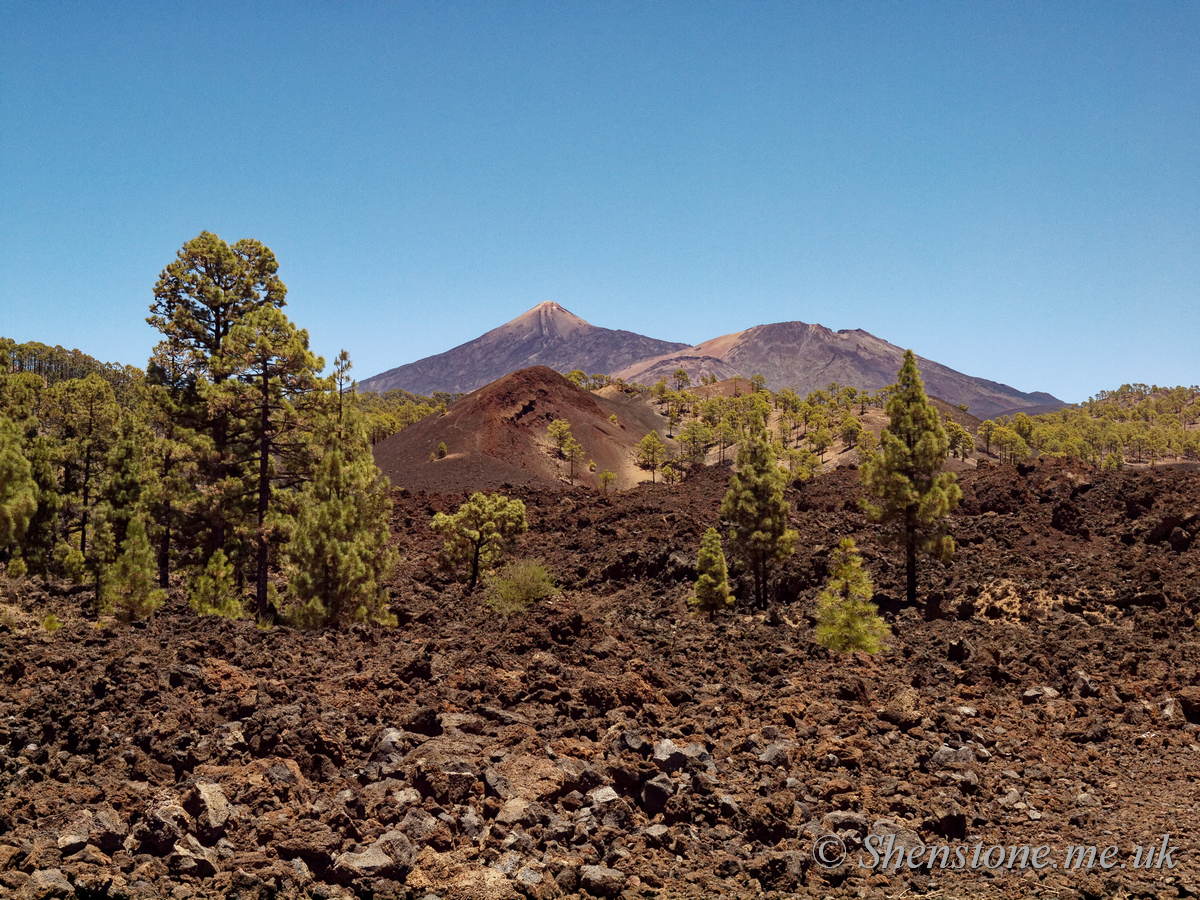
(847,620)
(712,587)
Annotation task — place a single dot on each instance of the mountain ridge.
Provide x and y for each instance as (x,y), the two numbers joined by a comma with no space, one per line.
(800,355)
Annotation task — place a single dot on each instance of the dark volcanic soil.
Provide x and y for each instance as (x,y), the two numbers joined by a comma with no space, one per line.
(609,744)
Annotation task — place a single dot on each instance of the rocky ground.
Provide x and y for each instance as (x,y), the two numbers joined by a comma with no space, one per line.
(609,744)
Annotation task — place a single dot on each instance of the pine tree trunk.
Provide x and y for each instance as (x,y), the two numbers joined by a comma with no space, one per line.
(264,496)
(910,559)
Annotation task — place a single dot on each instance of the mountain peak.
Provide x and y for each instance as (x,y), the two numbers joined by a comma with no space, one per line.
(548,319)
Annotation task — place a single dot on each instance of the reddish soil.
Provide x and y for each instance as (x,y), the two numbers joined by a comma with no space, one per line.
(497,436)
(1047,695)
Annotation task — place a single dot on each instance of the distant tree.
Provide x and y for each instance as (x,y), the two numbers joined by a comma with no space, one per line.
(914,495)
(613,418)
(81,416)
(604,479)
(478,532)
(757,511)
(560,433)
(726,436)
(441,451)
(18,491)
(868,446)
(573,451)
(758,383)
(650,452)
(129,580)
(577,377)
(273,370)
(712,593)
(850,429)
(214,592)
(847,620)
(959,439)
(820,440)
(802,463)
(987,429)
(199,298)
(695,438)
(681,379)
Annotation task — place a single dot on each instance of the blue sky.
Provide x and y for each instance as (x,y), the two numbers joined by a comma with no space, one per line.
(1011,189)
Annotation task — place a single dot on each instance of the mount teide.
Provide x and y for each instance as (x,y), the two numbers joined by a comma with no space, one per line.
(788,354)
(547,335)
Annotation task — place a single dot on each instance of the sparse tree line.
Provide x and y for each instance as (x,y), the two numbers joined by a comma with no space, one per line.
(909,493)
(1134,423)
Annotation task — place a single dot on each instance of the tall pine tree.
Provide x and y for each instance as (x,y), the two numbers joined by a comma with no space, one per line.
(755,507)
(273,371)
(913,493)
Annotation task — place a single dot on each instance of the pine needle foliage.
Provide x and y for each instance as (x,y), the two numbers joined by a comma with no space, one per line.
(18,492)
(712,587)
(478,532)
(338,557)
(847,620)
(214,591)
(129,581)
(755,507)
(913,493)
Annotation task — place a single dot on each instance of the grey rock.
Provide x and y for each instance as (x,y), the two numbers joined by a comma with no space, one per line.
(600,881)
(698,758)
(656,792)
(389,857)
(47,884)
(775,755)
(846,821)
(656,834)
(668,757)
(190,857)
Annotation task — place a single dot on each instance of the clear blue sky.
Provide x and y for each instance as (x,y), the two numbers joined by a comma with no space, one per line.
(1011,189)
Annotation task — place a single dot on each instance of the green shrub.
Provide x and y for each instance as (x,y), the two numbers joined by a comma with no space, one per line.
(51,623)
(441,450)
(517,586)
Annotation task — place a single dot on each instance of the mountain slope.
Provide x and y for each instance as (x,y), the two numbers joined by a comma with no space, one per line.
(807,357)
(497,435)
(547,335)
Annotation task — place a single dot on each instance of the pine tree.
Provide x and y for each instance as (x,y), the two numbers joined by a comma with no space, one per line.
(338,558)
(273,370)
(906,476)
(712,587)
(129,581)
(199,298)
(755,507)
(847,620)
(560,433)
(18,492)
(650,452)
(81,415)
(214,591)
(479,530)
